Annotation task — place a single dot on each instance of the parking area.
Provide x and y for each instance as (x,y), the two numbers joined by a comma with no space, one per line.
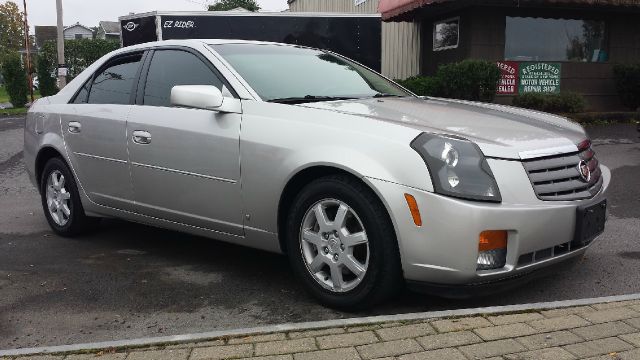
(128,280)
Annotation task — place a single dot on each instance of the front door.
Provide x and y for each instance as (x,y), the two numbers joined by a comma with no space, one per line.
(95,131)
(185,163)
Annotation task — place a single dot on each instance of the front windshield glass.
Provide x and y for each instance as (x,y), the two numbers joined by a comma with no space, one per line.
(284,73)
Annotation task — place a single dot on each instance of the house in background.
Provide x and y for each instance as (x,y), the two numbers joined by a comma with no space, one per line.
(78,31)
(44,34)
(108,30)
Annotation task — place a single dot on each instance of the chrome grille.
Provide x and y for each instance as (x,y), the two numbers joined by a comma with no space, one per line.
(558,178)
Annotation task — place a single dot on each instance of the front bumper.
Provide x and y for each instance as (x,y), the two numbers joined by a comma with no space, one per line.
(444,250)
(464,291)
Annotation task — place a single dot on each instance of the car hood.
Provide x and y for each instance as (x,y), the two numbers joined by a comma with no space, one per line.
(500,131)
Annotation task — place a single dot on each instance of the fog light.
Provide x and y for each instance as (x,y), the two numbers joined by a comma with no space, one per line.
(453,179)
(492,249)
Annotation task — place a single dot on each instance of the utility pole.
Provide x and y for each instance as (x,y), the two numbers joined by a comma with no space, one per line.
(27,47)
(62,67)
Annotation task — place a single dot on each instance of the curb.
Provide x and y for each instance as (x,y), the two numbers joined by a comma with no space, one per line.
(186,338)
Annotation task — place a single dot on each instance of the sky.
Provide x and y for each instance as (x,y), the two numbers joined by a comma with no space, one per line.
(90,12)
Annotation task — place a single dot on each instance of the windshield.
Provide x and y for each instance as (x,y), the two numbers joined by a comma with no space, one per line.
(281,73)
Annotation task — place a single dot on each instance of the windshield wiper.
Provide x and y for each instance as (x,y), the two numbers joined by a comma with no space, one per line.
(308,98)
(381,95)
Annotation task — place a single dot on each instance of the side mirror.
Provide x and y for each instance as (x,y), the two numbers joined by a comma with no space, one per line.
(197,96)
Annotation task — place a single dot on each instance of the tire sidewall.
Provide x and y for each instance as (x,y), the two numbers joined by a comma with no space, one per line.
(70,227)
(376,233)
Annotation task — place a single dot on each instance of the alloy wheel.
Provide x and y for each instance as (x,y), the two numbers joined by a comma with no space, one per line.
(334,245)
(58,198)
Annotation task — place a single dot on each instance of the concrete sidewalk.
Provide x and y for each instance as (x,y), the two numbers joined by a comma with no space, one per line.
(604,330)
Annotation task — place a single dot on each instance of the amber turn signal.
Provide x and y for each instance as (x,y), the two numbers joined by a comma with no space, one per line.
(413,208)
(492,240)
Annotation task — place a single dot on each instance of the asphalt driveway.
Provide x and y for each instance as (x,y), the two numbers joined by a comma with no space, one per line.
(128,280)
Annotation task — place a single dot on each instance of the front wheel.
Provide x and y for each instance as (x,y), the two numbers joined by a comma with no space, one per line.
(341,244)
(61,200)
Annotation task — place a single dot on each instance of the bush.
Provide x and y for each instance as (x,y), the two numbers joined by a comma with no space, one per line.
(563,103)
(79,54)
(627,78)
(422,85)
(475,80)
(15,78)
(606,117)
(47,84)
(533,101)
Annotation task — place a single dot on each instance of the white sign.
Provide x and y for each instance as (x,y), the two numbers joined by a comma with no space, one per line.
(358,2)
(63,71)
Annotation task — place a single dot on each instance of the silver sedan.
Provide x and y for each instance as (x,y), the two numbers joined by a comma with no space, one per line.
(365,186)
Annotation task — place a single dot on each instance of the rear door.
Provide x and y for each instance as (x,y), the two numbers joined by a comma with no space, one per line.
(185,163)
(95,131)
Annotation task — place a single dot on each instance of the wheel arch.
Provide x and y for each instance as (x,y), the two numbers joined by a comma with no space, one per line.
(305,176)
(44,155)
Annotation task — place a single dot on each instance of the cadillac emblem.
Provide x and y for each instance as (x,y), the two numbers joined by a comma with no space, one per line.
(585,172)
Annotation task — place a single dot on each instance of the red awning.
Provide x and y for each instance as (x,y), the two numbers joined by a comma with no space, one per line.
(393,8)
(399,10)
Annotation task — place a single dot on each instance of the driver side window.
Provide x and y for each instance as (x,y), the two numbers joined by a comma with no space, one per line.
(170,68)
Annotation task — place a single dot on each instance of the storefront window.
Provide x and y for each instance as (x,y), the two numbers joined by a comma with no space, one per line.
(538,39)
(445,34)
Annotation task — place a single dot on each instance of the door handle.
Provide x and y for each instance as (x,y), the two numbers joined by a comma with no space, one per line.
(74,127)
(141,137)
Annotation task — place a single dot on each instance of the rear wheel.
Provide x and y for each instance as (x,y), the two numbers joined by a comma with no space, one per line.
(61,200)
(341,244)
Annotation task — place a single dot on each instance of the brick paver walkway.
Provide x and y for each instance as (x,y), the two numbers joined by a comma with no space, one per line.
(601,331)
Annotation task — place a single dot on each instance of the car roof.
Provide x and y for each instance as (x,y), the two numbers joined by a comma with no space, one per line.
(196,42)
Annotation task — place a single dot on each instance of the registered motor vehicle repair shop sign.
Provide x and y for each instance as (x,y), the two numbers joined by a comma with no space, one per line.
(529,77)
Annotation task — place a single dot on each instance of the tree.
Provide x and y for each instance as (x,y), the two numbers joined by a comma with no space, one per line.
(224,5)
(79,54)
(47,82)
(11,28)
(15,78)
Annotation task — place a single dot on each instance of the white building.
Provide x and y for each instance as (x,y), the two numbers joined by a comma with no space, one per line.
(108,30)
(77,31)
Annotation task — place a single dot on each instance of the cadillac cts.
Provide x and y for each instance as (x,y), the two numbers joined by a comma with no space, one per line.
(365,186)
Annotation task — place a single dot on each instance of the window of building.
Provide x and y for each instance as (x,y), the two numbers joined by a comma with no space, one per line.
(539,39)
(113,84)
(446,34)
(171,68)
(78,36)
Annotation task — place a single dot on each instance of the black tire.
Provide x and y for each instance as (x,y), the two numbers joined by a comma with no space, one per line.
(77,222)
(383,278)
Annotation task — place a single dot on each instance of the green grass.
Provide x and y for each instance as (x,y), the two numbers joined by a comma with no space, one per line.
(4,97)
(14,111)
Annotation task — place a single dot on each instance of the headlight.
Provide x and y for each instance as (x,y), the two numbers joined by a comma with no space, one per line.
(457,166)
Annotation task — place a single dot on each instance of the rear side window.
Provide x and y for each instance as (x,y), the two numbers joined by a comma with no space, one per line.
(113,84)
(170,68)
(81,97)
